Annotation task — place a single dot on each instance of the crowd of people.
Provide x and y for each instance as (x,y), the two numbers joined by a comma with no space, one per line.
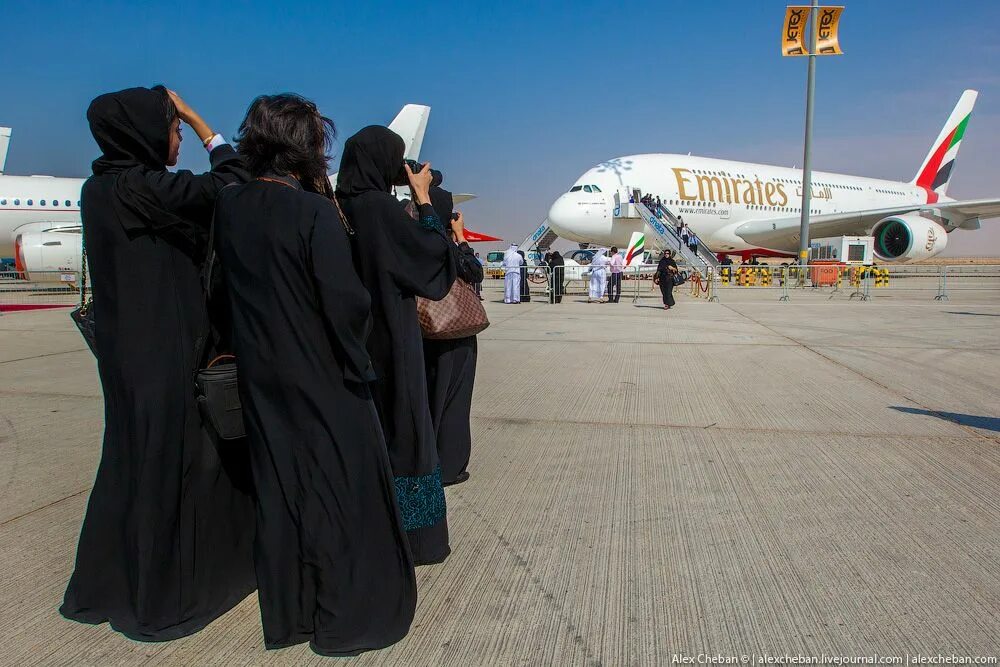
(354,422)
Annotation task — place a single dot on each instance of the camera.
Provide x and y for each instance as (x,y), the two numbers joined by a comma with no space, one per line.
(437,178)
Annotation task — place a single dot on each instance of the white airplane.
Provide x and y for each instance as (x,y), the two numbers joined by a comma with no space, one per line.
(752,209)
(40,215)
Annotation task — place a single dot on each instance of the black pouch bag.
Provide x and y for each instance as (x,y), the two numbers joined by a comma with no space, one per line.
(219,397)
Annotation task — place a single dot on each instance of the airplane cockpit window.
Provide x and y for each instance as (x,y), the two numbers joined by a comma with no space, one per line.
(596,189)
(576,188)
(587,188)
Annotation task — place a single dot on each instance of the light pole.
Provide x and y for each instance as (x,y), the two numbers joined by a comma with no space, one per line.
(807,150)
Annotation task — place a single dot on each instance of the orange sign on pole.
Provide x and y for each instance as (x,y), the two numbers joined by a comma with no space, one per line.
(793,33)
(827,27)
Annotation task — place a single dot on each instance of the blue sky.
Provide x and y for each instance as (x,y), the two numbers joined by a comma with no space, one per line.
(527,96)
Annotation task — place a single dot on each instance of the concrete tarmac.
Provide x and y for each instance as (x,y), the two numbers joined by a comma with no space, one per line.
(739,479)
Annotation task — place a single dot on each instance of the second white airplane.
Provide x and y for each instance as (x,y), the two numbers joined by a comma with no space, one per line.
(745,208)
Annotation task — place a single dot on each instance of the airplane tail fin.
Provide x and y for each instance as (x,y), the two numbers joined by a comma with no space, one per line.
(411,123)
(636,247)
(4,143)
(935,172)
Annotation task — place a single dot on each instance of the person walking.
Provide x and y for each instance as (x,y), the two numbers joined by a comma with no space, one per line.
(616,264)
(666,269)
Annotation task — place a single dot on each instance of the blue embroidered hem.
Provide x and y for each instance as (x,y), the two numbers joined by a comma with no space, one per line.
(421,500)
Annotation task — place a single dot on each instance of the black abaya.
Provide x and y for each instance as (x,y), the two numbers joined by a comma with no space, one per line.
(331,554)
(166,544)
(525,285)
(400,258)
(556,277)
(665,277)
(451,368)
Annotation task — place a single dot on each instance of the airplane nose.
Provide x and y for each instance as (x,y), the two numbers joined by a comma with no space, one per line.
(564,212)
(573,215)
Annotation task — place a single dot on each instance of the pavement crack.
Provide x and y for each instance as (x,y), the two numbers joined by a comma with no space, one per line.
(547,595)
(39,509)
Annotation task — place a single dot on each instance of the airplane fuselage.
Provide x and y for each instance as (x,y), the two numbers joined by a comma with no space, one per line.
(35,204)
(713,196)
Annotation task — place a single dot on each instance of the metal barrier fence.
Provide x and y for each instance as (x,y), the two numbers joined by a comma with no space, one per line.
(784,282)
(49,289)
(38,289)
(860,282)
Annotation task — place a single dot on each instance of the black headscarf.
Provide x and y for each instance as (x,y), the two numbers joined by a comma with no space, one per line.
(556,259)
(371,161)
(132,129)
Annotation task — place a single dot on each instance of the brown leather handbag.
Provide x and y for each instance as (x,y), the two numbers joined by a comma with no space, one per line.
(459,314)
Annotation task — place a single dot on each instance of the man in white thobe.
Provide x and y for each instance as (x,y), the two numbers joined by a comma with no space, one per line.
(598,275)
(512,275)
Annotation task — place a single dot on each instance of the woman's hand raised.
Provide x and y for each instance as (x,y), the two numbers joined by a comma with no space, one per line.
(420,183)
(191,117)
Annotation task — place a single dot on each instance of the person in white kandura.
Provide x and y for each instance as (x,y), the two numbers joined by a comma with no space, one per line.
(598,276)
(512,275)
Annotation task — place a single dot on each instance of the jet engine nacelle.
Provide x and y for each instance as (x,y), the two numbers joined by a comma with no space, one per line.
(909,237)
(47,255)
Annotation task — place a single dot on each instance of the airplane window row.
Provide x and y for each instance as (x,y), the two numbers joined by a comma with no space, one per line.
(585,188)
(889,192)
(41,202)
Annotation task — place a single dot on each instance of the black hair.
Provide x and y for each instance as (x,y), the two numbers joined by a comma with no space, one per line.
(614,249)
(169,108)
(287,134)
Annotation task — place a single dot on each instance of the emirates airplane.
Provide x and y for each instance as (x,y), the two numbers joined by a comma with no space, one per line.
(40,215)
(745,208)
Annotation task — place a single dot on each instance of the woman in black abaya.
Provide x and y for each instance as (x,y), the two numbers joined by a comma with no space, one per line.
(451,364)
(331,554)
(166,544)
(400,258)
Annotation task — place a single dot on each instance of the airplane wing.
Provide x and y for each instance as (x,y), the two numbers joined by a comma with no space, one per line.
(783,233)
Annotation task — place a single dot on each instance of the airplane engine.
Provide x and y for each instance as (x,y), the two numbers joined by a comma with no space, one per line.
(909,237)
(47,255)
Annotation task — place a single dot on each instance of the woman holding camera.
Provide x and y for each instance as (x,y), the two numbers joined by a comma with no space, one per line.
(451,364)
(331,555)
(165,546)
(399,259)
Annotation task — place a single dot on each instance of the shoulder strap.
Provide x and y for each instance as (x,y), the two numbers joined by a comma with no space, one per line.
(83,268)
(206,281)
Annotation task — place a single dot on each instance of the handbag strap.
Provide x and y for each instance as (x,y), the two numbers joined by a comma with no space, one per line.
(83,268)
(206,284)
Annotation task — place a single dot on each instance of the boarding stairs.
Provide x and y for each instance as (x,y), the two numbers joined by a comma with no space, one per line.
(703,260)
(539,240)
